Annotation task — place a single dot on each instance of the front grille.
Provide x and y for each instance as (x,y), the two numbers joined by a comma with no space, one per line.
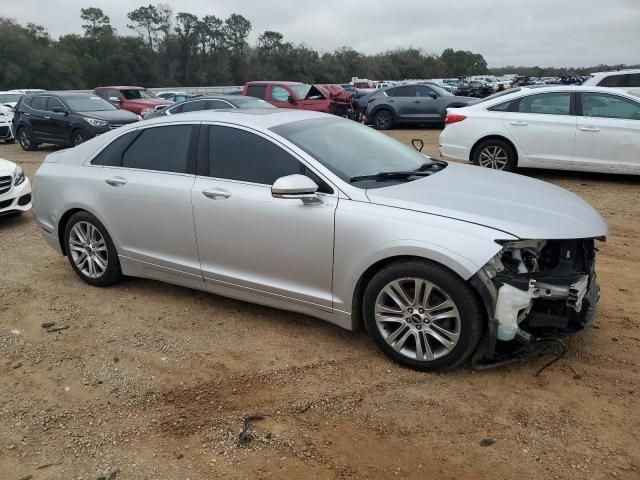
(5,184)
(4,131)
(23,200)
(6,203)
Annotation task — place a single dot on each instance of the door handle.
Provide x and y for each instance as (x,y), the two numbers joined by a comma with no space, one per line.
(390,101)
(47,118)
(519,123)
(116,181)
(216,193)
(416,101)
(589,129)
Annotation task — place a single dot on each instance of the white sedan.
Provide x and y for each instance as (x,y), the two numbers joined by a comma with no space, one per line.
(15,189)
(566,128)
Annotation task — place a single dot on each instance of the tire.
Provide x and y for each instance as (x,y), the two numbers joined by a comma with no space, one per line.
(383,119)
(102,267)
(25,138)
(10,140)
(78,136)
(450,306)
(496,154)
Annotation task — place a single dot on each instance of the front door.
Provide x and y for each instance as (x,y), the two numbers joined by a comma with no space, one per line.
(59,125)
(608,134)
(251,241)
(425,105)
(544,128)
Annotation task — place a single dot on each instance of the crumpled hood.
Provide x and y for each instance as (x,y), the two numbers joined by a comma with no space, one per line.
(334,92)
(515,204)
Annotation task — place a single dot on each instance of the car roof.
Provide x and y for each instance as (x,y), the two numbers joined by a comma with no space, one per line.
(123,87)
(256,118)
(273,82)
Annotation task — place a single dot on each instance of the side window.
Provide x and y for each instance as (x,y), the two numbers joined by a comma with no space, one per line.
(279,94)
(613,81)
(258,91)
(422,91)
(501,107)
(165,149)
(390,92)
(546,103)
(404,91)
(609,106)
(111,155)
(218,104)
(54,102)
(194,106)
(39,103)
(633,80)
(240,155)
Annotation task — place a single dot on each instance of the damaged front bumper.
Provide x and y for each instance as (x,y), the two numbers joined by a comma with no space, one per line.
(536,289)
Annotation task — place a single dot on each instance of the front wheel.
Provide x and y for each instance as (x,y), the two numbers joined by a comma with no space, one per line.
(90,250)
(422,315)
(495,154)
(25,138)
(78,137)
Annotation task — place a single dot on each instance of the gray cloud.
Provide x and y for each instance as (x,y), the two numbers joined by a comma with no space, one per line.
(540,32)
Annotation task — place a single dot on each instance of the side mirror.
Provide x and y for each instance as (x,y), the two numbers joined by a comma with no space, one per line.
(60,110)
(114,99)
(296,187)
(433,95)
(291,99)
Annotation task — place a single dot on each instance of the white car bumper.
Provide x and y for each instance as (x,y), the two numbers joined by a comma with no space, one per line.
(6,129)
(17,199)
(451,146)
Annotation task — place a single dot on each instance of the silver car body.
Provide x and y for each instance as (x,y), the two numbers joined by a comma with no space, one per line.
(243,243)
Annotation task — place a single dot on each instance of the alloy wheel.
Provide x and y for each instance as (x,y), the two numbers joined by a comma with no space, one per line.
(493,156)
(24,139)
(383,120)
(78,138)
(418,319)
(88,249)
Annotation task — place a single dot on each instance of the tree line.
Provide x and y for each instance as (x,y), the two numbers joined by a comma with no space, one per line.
(161,48)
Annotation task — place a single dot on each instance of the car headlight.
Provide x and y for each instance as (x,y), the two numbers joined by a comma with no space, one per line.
(95,122)
(18,176)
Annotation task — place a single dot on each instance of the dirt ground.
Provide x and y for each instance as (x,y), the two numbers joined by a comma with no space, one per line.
(152,381)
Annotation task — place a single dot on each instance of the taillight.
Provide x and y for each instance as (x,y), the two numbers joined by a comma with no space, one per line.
(453,118)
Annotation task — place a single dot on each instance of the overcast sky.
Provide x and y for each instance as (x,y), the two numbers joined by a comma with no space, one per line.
(505,32)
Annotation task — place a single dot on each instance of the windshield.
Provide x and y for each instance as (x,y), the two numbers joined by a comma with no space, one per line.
(137,94)
(300,90)
(88,104)
(9,97)
(350,149)
(252,103)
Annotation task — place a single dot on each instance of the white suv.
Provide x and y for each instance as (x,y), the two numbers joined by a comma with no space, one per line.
(628,80)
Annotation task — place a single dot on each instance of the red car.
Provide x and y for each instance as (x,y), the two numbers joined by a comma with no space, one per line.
(133,99)
(320,98)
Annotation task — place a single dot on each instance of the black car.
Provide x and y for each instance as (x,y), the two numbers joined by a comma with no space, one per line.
(213,102)
(66,119)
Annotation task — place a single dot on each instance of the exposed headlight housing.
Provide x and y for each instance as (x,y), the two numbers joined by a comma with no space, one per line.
(18,176)
(95,122)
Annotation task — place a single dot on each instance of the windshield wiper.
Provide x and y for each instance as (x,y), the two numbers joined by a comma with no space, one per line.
(391,175)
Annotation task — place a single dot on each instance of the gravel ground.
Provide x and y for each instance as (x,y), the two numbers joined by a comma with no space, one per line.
(152,381)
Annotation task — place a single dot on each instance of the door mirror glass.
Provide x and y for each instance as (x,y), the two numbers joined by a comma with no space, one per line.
(297,187)
(114,99)
(291,99)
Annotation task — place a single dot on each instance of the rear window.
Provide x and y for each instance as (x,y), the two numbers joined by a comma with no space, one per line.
(613,81)
(258,91)
(501,107)
(546,104)
(634,80)
(164,149)
(39,103)
(111,155)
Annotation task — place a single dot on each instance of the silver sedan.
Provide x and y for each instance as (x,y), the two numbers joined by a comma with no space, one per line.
(320,215)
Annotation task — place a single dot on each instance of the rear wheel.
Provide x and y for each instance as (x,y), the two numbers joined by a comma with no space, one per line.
(25,138)
(90,250)
(422,315)
(495,154)
(383,120)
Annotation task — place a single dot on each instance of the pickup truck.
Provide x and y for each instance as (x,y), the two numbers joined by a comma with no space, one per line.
(319,98)
(133,99)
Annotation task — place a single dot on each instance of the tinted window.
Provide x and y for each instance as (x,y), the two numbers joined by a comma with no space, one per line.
(161,148)
(111,156)
(239,155)
(612,81)
(609,106)
(39,103)
(279,94)
(217,104)
(546,103)
(501,107)
(113,94)
(258,91)
(422,91)
(54,102)
(194,106)
(404,91)
(633,80)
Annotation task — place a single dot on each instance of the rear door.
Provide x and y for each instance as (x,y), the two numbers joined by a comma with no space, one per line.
(145,197)
(38,117)
(401,100)
(543,126)
(608,133)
